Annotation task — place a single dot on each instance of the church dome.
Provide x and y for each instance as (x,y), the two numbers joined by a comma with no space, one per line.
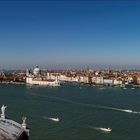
(36,70)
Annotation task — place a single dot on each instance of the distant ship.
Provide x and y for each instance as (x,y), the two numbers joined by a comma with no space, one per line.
(11,130)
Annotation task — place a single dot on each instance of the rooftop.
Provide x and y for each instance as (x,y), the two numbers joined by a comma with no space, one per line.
(10,130)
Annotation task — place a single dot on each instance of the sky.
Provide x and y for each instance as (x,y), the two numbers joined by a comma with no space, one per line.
(57,34)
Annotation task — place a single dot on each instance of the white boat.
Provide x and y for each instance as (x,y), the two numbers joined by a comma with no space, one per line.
(105,129)
(128,110)
(55,119)
(102,88)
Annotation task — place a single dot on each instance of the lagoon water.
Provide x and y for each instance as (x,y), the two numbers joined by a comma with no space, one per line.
(82,110)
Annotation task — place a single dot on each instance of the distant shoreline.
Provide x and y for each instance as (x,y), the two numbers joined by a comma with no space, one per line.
(14,83)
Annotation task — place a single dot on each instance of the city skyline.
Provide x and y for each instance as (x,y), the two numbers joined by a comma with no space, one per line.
(69,34)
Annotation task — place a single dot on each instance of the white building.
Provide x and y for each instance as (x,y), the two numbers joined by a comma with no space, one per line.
(36,79)
(94,79)
(117,82)
(138,80)
(108,81)
(62,77)
(83,79)
(100,80)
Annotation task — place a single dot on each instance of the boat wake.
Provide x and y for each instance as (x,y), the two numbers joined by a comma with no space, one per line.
(52,119)
(121,110)
(91,105)
(102,129)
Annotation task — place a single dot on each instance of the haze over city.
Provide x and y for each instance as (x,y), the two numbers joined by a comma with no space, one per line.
(69,34)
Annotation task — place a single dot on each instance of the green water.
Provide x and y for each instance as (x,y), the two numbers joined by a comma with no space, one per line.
(81,109)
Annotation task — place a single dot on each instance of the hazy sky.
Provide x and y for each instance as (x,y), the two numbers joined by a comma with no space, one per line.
(69,33)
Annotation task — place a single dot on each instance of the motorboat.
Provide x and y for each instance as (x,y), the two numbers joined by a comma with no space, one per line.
(55,119)
(128,110)
(105,129)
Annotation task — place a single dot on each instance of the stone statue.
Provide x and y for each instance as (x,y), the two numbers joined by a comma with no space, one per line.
(3,110)
(24,122)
